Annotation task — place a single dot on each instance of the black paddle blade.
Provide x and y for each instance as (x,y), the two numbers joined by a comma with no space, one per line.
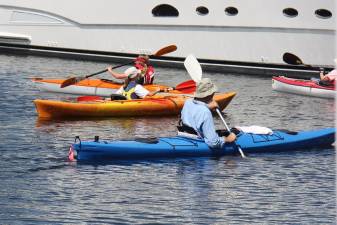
(292,59)
(71,81)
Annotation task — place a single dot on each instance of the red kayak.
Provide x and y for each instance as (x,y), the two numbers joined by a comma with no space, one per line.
(302,87)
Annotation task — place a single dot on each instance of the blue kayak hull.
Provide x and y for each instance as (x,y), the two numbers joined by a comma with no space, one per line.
(179,146)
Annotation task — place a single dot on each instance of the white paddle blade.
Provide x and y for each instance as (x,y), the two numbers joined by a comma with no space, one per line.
(193,68)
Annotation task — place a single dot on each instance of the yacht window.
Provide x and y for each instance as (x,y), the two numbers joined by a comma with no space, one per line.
(291,12)
(201,10)
(231,11)
(323,13)
(165,11)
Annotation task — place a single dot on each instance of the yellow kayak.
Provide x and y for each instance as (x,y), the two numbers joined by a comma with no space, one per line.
(153,106)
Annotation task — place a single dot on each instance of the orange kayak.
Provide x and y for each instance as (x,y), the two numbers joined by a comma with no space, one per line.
(98,87)
(154,106)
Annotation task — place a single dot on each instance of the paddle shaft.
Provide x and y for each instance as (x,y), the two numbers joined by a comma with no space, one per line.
(227,128)
(292,59)
(103,71)
(160,52)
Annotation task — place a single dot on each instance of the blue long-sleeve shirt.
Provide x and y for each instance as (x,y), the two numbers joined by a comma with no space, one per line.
(197,115)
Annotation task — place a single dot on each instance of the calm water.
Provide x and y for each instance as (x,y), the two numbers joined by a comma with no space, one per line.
(39,186)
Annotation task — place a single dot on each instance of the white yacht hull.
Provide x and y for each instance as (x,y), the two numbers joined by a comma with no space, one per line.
(259,33)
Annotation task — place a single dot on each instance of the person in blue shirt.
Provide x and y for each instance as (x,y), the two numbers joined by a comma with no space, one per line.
(197,115)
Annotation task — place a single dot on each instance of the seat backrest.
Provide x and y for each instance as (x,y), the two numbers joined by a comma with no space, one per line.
(118,97)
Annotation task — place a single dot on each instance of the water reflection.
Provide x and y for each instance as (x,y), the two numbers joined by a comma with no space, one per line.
(37,179)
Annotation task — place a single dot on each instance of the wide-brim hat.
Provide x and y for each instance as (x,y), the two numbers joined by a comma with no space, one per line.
(205,88)
(132,72)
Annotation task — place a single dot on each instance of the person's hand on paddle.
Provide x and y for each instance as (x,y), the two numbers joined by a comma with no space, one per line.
(167,89)
(321,73)
(109,68)
(213,105)
(230,138)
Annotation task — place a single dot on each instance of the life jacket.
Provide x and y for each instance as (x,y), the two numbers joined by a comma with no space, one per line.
(148,77)
(129,91)
(190,130)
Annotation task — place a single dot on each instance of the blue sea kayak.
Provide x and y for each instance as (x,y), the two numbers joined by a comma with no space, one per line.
(182,146)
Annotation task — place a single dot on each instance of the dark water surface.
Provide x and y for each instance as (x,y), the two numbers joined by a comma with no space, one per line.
(39,186)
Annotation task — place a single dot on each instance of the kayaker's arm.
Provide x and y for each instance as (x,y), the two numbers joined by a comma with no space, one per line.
(228,136)
(165,90)
(154,92)
(117,75)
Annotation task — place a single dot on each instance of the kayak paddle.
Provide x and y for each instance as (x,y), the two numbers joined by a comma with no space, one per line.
(194,70)
(293,59)
(74,80)
(188,86)
(185,87)
(227,128)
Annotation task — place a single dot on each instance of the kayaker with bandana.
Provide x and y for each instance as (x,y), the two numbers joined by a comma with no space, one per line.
(196,115)
(131,89)
(141,63)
